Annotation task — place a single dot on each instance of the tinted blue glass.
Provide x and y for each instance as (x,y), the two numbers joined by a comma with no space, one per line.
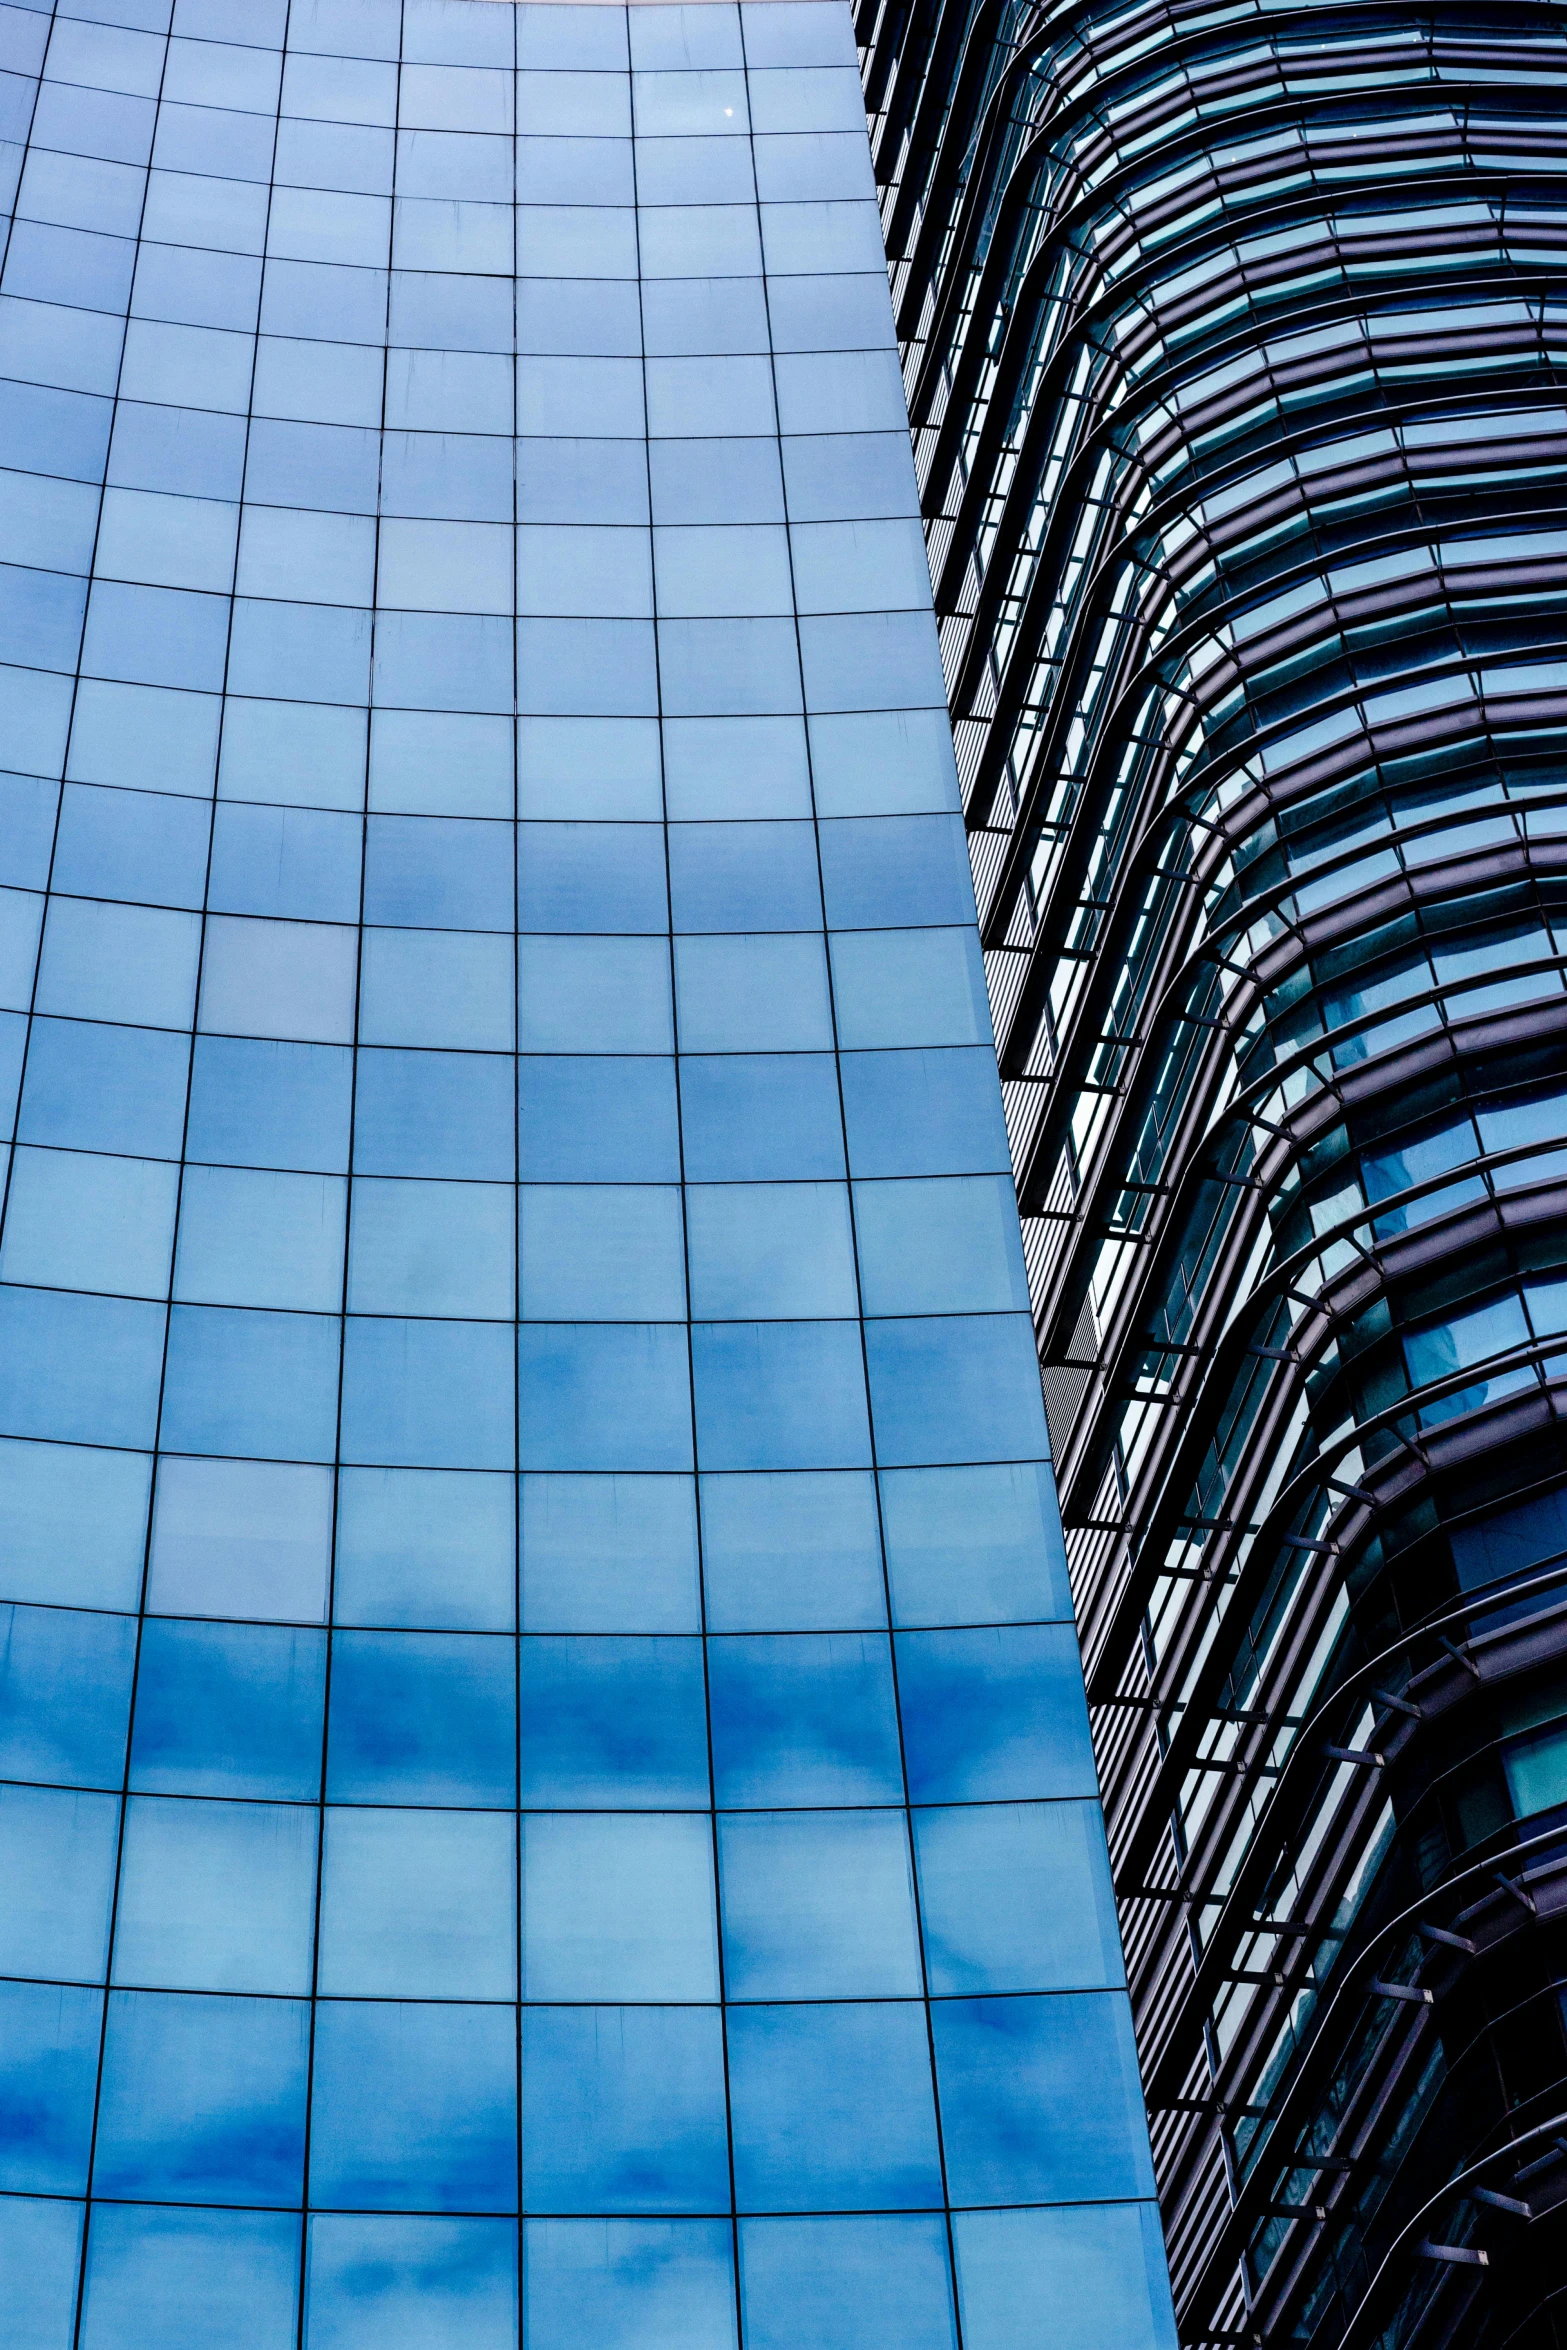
(13,1030)
(846,2284)
(320,465)
(614,1252)
(251,1383)
(585,482)
(45,261)
(240,1538)
(749,1117)
(445,313)
(979,1545)
(27,819)
(625,2111)
(609,1554)
(1036,2093)
(421,1717)
(784,1250)
(818,1904)
(49,2055)
(57,1858)
(372,2281)
(843,473)
(608,1396)
(185,450)
(89,946)
(946,1246)
(618,1905)
(433,1114)
(435,1394)
(780,1395)
(594,994)
(419,1903)
(77,1520)
(992,1716)
(606,877)
(211,289)
(40,2243)
(589,665)
(597,1121)
(447,663)
(414,2107)
(269,1105)
(99,1088)
(40,625)
(793,1552)
(262,1239)
(413,753)
(425,1547)
(55,432)
(66,1682)
(615,1724)
(226,2278)
(438,872)
(1101,2266)
(203,2099)
(744,877)
(1016,1897)
(592,2286)
(900,647)
(909,987)
(216,1896)
(808,1718)
(493,1001)
(320,751)
(93,1222)
(732,767)
(36,712)
(229,1709)
(952,1390)
(327,652)
(833,2108)
(752,993)
(714,314)
(139,845)
(435,987)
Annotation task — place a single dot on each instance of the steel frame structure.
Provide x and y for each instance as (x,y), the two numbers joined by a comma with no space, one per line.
(1236,356)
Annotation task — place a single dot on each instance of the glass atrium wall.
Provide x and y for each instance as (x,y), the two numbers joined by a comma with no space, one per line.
(537,1673)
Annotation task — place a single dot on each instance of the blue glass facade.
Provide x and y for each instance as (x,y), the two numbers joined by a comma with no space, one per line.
(546,1783)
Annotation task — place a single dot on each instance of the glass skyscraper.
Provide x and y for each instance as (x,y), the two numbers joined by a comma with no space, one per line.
(1234,344)
(545,1786)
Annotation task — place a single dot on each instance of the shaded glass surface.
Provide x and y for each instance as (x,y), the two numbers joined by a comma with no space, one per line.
(544,1780)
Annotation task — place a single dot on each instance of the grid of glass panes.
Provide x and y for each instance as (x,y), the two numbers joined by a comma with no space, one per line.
(538,1674)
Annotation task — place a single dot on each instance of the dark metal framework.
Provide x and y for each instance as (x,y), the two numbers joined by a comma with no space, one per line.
(1236,347)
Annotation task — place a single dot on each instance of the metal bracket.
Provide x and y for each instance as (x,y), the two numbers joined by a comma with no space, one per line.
(1502,2202)
(1520,1893)
(1450,1941)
